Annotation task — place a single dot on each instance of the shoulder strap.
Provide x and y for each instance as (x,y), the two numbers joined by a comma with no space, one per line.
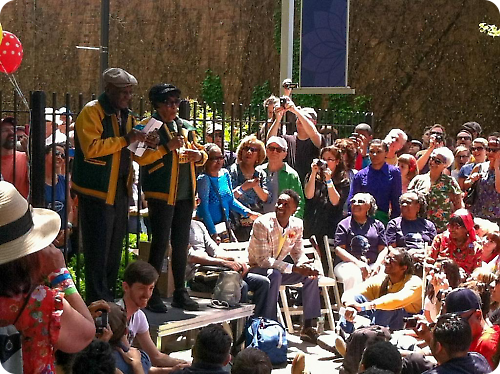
(25,303)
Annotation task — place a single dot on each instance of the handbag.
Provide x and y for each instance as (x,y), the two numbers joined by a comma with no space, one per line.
(11,357)
(226,236)
(205,278)
(471,193)
(227,289)
(269,336)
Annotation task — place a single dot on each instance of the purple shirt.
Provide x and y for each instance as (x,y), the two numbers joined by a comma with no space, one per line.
(373,230)
(384,185)
(404,232)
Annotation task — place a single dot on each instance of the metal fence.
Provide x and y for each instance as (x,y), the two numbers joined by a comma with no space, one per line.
(236,121)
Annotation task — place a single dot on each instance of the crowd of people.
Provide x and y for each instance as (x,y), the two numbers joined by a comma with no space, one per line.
(414,224)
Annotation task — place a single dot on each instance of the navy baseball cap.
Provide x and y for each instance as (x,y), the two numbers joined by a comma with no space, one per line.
(462,300)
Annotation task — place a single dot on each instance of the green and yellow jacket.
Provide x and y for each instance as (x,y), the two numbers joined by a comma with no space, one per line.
(98,146)
(160,169)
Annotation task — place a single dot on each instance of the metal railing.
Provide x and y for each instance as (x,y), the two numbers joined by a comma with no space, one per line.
(236,121)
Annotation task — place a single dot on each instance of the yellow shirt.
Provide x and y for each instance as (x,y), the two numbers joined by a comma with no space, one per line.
(405,294)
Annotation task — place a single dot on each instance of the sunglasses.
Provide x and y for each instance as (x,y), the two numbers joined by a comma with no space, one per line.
(408,202)
(463,156)
(60,154)
(489,149)
(436,133)
(218,158)
(275,149)
(437,160)
(251,149)
(477,149)
(464,138)
(358,201)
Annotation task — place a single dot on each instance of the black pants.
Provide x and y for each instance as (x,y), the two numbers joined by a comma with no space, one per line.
(170,223)
(103,229)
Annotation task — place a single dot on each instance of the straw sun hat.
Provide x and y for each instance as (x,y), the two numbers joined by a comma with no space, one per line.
(23,230)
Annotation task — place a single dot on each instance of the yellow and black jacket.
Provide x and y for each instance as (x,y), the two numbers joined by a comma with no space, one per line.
(98,146)
(160,169)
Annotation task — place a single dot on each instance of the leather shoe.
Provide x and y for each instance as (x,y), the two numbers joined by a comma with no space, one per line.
(309,334)
(182,300)
(155,303)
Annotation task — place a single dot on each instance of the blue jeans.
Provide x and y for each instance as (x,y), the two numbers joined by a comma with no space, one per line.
(393,319)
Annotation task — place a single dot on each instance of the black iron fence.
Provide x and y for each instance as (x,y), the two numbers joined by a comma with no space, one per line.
(45,133)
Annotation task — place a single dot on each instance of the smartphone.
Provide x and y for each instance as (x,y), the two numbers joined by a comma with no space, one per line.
(101,321)
(410,322)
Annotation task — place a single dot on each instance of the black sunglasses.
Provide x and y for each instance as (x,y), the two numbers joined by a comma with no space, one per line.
(490,149)
(477,149)
(358,201)
(251,149)
(60,154)
(437,160)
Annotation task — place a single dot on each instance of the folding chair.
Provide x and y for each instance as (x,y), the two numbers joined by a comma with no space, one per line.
(323,283)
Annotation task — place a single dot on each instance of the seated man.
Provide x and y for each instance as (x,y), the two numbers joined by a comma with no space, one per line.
(204,251)
(139,281)
(449,343)
(459,242)
(210,352)
(386,300)
(274,237)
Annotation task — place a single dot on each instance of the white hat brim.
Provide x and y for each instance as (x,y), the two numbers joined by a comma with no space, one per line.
(46,226)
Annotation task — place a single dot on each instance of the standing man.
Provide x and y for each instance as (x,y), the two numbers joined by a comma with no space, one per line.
(381,180)
(19,176)
(169,184)
(102,177)
(278,236)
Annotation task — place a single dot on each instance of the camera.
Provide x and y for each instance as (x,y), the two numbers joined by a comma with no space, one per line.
(321,164)
(410,322)
(101,321)
(287,83)
(438,137)
(283,100)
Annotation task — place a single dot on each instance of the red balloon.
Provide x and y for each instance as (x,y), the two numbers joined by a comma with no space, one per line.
(11,53)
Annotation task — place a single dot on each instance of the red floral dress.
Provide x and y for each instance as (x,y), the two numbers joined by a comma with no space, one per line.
(468,257)
(39,325)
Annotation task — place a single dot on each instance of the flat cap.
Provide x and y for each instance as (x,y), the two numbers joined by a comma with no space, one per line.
(119,77)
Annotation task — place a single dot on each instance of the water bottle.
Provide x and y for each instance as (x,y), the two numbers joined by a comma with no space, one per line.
(320,325)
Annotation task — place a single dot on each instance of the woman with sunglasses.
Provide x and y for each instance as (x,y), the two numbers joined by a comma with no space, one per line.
(326,190)
(249,184)
(55,189)
(478,151)
(442,192)
(462,157)
(360,242)
(216,196)
(487,203)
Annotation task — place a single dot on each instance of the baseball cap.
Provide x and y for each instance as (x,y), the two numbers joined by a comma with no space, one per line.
(280,141)
(462,300)
(472,127)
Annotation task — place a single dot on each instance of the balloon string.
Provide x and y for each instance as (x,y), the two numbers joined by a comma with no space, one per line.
(14,83)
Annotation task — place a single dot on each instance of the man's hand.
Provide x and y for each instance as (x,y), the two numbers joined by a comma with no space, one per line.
(254,215)
(96,306)
(135,136)
(233,265)
(23,141)
(422,331)
(305,269)
(365,269)
(107,334)
(51,259)
(193,155)
(175,143)
(152,139)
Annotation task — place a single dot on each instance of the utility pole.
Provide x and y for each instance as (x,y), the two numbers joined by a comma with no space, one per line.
(103,50)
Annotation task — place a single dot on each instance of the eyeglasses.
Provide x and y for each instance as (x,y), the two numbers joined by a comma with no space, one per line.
(437,160)
(60,154)
(251,149)
(172,103)
(436,133)
(329,159)
(464,138)
(490,149)
(275,149)
(477,149)
(358,201)
(218,158)
(391,259)
(463,156)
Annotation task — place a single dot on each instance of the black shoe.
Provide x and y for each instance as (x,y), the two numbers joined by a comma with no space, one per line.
(182,300)
(309,334)
(155,303)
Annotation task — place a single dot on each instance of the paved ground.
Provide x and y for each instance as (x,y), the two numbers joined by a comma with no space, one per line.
(318,361)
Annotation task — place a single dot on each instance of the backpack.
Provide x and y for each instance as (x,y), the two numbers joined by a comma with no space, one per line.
(269,336)
(358,341)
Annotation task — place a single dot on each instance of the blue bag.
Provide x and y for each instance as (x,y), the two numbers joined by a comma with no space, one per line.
(269,336)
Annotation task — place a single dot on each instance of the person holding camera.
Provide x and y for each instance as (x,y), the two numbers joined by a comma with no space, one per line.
(326,190)
(304,146)
(437,137)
